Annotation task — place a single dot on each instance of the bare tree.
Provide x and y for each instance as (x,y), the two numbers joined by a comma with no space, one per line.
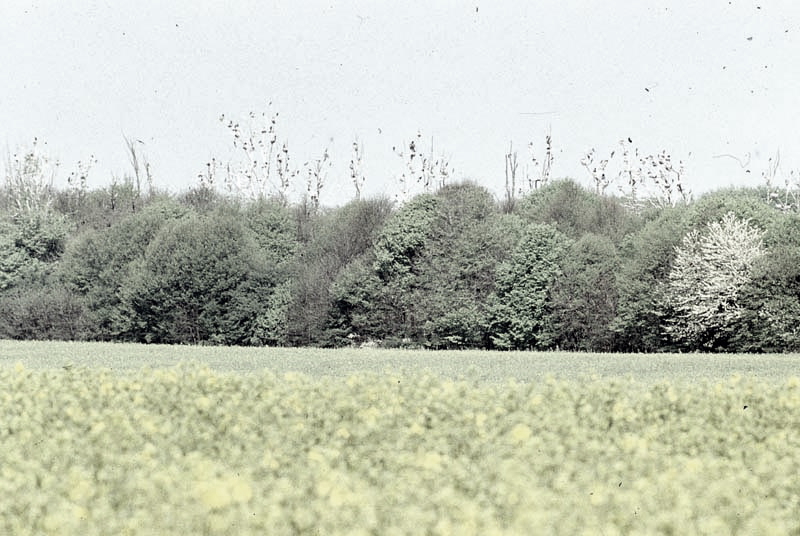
(77,179)
(286,173)
(356,167)
(597,170)
(140,164)
(264,167)
(77,184)
(537,172)
(316,174)
(655,178)
(208,178)
(426,170)
(630,173)
(667,178)
(785,197)
(511,177)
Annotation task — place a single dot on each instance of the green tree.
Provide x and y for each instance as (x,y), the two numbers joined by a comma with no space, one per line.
(771,299)
(432,272)
(647,260)
(29,248)
(42,312)
(339,238)
(584,297)
(97,266)
(105,207)
(747,203)
(202,279)
(436,260)
(575,210)
(521,312)
(397,251)
(468,239)
(359,311)
(274,229)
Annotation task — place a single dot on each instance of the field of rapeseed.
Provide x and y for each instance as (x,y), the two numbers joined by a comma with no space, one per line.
(186,450)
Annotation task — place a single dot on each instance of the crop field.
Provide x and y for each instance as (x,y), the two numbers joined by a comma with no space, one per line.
(120,439)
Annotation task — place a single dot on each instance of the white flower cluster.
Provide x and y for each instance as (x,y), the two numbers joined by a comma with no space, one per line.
(189,451)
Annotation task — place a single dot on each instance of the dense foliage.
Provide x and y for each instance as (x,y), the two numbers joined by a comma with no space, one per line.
(189,451)
(563,268)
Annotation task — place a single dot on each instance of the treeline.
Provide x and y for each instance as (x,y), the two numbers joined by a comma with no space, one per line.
(561,268)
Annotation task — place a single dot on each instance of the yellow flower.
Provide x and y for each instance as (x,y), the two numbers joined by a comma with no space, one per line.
(81,491)
(212,494)
(217,493)
(269,461)
(693,466)
(432,461)
(480,420)
(203,403)
(520,433)
(370,415)
(240,489)
(416,429)
(713,524)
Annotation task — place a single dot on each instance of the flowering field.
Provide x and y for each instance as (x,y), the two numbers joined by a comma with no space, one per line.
(187,450)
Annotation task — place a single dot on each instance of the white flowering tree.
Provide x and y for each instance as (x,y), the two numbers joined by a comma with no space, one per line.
(702,294)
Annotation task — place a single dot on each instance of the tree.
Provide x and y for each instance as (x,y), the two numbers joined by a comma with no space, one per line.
(32,236)
(636,172)
(425,169)
(274,229)
(357,167)
(30,246)
(703,292)
(97,266)
(265,167)
(29,182)
(432,273)
(339,238)
(574,210)
(536,173)
(584,297)
(403,238)
(521,309)
(359,310)
(468,239)
(202,279)
(747,203)
(771,299)
(42,312)
(647,257)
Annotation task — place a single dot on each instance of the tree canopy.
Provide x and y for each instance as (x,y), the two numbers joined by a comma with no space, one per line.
(564,267)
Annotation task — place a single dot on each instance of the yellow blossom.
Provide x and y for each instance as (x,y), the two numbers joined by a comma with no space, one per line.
(520,433)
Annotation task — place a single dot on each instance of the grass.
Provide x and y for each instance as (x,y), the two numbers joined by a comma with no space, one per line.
(486,366)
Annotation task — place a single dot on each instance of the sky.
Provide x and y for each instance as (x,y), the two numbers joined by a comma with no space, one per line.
(714,83)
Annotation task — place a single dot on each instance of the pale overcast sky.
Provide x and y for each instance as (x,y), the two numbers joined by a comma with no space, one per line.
(699,79)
